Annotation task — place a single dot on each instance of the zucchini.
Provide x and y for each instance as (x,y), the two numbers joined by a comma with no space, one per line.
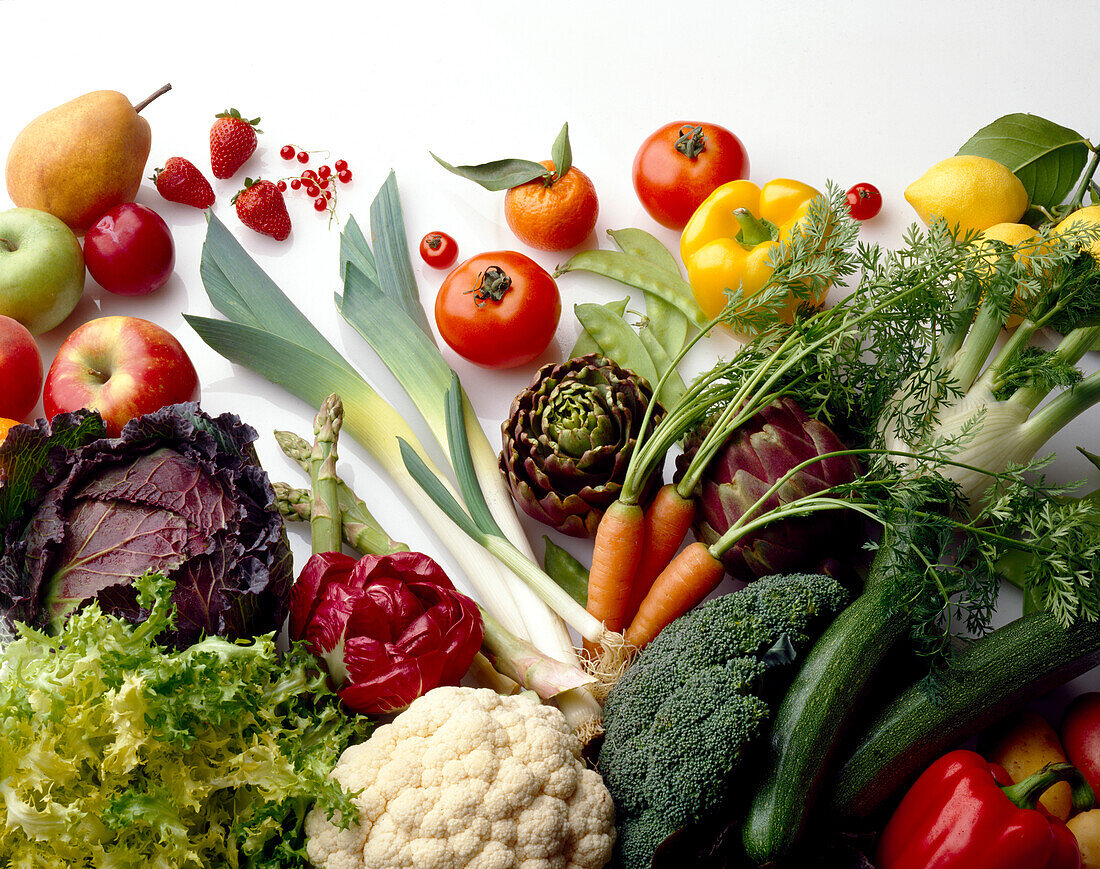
(996,675)
(810,721)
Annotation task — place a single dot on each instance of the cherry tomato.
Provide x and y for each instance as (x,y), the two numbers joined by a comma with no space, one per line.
(679,165)
(498,309)
(864,201)
(438,250)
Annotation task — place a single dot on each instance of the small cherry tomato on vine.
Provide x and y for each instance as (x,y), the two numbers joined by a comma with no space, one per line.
(498,309)
(438,250)
(864,201)
(678,166)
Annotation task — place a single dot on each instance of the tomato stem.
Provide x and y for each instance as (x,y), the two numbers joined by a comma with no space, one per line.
(691,143)
(492,284)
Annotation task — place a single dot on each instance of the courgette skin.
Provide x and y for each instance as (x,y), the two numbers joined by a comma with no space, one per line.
(812,718)
(997,674)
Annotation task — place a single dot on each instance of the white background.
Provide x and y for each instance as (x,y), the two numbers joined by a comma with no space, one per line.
(847,91)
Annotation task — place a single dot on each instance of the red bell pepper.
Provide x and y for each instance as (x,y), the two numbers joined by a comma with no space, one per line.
(958,816)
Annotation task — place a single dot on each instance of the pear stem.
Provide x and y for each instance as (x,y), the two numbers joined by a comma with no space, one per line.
(157,93)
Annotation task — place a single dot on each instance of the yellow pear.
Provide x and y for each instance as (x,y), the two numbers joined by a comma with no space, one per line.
(81,159)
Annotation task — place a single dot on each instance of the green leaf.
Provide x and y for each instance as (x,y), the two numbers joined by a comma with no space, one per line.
(1046,157)
(355,250)
(435,490)
(498,174)
(243,292)
(561,153)
(391,253)
(462,463)
(1092,457)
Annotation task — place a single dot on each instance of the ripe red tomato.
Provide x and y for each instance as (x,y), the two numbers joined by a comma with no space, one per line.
(438,250)
(678,166)
(498,309)
(1081,736)
(864,201)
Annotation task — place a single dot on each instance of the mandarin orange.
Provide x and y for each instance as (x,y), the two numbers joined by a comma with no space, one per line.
(557,216)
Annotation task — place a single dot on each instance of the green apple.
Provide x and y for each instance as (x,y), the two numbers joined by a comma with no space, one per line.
(41,269)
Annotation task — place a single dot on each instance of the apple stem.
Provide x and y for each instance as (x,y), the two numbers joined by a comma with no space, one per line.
(5,243)
(158,93)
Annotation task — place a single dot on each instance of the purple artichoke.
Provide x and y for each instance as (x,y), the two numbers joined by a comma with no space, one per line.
(761,451)
(568,440)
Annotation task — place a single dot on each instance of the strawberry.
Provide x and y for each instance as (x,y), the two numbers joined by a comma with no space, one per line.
(181,181)
(260,206)
(232,141)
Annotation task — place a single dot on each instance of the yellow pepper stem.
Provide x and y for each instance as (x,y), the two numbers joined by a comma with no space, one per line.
(753,230)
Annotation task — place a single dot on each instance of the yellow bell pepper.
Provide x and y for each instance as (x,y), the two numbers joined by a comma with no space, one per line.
(729,240)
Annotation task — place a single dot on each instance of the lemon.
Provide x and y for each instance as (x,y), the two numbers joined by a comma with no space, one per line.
(1087,217)
(1011,234)
(968,192)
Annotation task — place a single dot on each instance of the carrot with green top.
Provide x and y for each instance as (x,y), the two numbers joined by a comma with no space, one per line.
(666,525)
(614,556)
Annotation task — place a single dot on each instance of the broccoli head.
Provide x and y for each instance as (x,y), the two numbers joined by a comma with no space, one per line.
(685,717)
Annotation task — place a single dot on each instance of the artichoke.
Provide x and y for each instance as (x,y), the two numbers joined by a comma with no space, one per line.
(761,451)
(568,440)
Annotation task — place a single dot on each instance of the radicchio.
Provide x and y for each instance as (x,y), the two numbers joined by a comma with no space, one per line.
(389,627)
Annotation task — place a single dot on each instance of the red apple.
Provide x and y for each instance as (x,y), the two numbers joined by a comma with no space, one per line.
(20,370)
(121,366)
(129,250)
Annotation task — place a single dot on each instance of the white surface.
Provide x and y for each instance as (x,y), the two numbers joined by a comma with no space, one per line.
(850,91)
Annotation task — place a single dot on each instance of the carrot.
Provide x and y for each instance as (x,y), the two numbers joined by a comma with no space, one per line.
(614,559)
(666,525)
(690,577)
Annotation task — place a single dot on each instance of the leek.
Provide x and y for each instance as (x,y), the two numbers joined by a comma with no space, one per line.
(266,333)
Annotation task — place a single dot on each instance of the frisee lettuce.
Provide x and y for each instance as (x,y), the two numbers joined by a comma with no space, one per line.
(117,751)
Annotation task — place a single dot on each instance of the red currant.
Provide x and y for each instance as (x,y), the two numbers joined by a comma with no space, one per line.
(295,184)
(311,190)
(323,183)
(341,165)
(344,176)
(310,175)
(282,186)
(320,203)
(324,171)
(327,194)
(303,157)
(287,152)
(864,201)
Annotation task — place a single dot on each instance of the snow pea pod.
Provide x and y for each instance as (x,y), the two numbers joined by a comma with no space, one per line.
(673,388)
(566,571)
(641,274)
(668,322)
(585,342)
(617,340)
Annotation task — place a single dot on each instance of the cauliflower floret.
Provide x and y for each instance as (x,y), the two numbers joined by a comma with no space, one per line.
(469,779)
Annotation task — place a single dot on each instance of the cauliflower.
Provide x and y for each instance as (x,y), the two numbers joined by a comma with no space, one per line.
(468,778)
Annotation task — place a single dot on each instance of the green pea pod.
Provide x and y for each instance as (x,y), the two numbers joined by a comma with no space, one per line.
(566,571)
(586,343)
(617,340)
(668,322)
(673,388)
(641,274)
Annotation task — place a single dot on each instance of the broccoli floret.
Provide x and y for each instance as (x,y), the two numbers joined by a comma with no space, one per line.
(687,715)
